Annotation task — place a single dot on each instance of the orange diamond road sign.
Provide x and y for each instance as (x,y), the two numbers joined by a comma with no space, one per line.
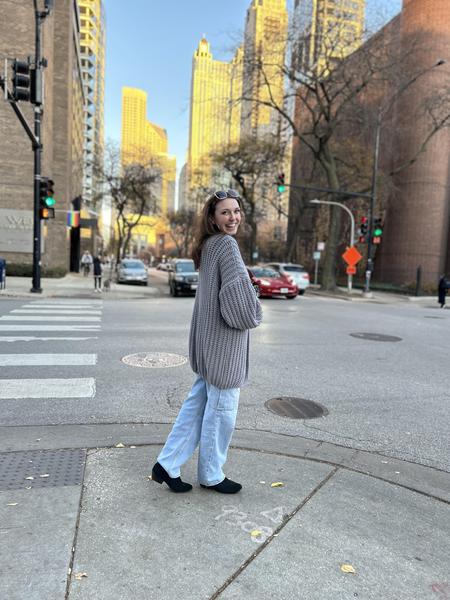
(351,270)
(352,256)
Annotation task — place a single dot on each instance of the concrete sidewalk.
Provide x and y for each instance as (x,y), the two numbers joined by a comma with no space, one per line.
(98,528)
(74,285)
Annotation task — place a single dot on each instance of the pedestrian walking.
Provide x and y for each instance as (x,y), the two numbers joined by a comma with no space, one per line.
(444,285)
(225,308)
(86,262)
(98,268)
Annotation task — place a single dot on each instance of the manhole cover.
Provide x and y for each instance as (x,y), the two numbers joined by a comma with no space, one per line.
(296,408)
(41,469)
(156,360)
(376,337)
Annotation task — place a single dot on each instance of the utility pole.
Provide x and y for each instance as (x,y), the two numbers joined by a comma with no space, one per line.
(39,65)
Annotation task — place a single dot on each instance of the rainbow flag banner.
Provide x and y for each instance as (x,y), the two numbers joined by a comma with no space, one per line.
(73,218)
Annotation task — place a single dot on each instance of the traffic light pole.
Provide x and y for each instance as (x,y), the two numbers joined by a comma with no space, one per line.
(37,232)
(373,197)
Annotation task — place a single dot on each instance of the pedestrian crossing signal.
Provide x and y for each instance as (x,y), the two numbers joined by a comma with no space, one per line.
(281,183)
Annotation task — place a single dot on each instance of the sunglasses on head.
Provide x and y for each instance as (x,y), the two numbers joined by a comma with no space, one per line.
(222,195)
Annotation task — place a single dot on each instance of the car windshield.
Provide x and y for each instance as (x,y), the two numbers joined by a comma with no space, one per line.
(134,264)
(264,272)
(185,267)
(293,269)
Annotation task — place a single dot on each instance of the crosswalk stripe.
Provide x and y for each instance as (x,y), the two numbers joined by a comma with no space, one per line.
(55,311)
(28,360)
(47,388)
(47,318)
(64,306)
(33,338)
(32,327)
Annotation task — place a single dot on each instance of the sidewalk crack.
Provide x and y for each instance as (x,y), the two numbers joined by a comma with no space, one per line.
(264,545)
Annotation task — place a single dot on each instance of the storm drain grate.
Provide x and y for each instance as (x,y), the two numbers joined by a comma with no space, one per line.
(376,337)
(41,469)
(296,408)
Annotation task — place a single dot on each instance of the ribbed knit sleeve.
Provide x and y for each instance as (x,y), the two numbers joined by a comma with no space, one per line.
(239,305)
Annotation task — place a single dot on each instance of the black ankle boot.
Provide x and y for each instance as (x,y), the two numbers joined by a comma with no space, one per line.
(224,487)
(159,474)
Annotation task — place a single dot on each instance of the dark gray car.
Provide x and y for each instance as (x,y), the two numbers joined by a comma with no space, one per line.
(183,278)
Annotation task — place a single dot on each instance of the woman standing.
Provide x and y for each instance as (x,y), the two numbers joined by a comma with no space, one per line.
(97,274)
(225,308)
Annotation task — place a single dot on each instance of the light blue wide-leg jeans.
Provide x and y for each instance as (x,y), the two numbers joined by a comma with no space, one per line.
(207,417)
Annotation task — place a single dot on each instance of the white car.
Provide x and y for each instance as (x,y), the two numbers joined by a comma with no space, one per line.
(297,273)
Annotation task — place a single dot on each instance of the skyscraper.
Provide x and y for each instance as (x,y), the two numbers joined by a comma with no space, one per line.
(143,140)
(264,57)
(92,54)
(329,30)
(214,111)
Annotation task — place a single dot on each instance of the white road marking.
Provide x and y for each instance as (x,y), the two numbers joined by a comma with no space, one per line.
(49,327)
(47,388)
(30,360)
(65,306)
(56,311)
(47,318)
(32,338)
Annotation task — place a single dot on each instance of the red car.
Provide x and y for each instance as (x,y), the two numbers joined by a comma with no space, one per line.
(268,283)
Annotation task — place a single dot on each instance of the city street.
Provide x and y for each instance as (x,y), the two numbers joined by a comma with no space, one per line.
(65,387)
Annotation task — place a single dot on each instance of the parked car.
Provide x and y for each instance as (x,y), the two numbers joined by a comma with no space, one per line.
(269,283)
(183,277)
(298,274)
(166,266)
(132,270)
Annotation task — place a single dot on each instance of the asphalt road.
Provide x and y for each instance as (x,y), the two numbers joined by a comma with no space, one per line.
(391,397)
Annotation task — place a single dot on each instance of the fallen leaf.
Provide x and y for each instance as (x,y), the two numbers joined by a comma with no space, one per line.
(29,477)
(46,475)
(120,445)
(29,488)
(149,477)
(255,533)
(80,576)
(12,504)
(348,569)
(277,484)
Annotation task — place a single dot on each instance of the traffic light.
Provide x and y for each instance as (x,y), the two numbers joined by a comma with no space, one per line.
(377,231)
(281,183)
(46,199)
(363,230)
(21,81)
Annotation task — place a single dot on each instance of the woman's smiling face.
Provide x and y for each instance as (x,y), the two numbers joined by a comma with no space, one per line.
(227,216)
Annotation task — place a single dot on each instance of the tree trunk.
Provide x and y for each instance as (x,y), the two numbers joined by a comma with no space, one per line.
(334,228)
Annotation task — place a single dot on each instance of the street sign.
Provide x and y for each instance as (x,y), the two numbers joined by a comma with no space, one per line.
(352,256)
(351,270)
(320,246)
(316,255)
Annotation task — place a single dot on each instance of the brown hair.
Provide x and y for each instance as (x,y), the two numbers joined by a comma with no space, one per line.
(206,226)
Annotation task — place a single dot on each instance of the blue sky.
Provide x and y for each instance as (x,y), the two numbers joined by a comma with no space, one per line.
(150,43)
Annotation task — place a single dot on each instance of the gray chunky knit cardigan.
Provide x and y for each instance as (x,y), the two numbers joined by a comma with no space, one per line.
(225,308)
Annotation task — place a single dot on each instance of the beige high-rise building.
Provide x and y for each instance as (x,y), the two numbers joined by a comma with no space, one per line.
(264,44)
(143,140)
(92,54)
(329,30)
(214,114)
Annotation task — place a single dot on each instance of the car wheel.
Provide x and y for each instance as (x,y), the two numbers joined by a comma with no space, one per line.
(301,292)
(258,293)
(291,297)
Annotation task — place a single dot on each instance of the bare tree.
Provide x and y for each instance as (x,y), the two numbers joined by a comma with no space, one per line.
(131,188)
(331,108)
(252,165)
(182,228)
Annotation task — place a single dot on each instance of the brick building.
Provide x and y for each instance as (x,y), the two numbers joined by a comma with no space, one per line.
(415,201)
(62,133)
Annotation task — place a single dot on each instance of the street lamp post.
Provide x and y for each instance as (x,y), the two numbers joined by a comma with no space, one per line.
(352,230)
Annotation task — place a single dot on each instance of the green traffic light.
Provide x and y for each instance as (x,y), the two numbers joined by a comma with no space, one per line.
(281,188)
(377,231)
(49,201)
